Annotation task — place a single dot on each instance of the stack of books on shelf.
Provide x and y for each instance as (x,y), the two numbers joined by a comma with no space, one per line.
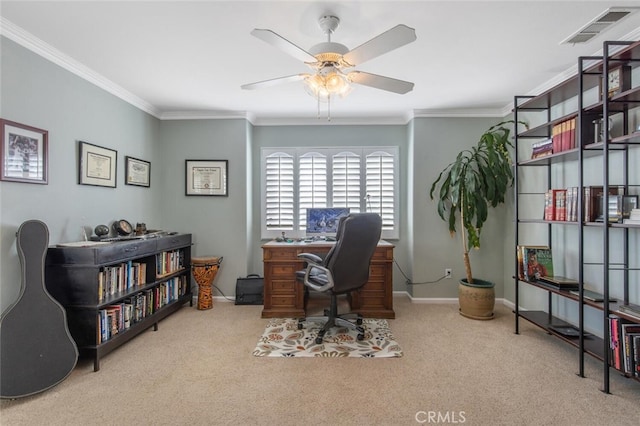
(542,148)
(563,135)
(561,204)
(634,217)
(624,346)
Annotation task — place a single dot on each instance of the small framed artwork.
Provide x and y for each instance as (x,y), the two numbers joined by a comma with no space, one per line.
(24,153)
(206,177)
(97,165)
(137,172)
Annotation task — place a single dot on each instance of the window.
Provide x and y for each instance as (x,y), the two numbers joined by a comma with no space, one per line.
(295,179)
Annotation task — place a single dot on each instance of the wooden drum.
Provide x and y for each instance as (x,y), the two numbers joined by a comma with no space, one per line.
(204,270)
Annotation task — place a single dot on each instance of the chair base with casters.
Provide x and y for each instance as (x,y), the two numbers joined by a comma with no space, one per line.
(332,319)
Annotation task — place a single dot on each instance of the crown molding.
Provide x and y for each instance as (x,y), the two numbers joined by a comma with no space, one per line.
(202,115)
(45,50)
(460,112)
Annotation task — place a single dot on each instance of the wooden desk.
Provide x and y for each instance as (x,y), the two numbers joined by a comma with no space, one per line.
(284,297)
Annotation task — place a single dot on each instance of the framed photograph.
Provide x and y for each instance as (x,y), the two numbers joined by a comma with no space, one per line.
(97,165)
(24,154)
(137,172)
(206,177)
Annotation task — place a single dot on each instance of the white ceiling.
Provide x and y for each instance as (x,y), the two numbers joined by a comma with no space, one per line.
(180,59)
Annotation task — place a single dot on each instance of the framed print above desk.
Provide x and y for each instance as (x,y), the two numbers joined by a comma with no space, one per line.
(206,177)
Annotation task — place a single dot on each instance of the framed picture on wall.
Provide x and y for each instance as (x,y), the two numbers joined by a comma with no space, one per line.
(24,153)
(206,177)
(97,165)
(137,172)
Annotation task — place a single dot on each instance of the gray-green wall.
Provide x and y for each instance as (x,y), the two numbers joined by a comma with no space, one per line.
(41,94)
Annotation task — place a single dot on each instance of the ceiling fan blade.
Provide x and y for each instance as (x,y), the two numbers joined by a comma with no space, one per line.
(283,44)
(274,81)
(387,41)
(380,82)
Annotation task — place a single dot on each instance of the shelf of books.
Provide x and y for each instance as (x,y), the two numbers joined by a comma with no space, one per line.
(575,166)
(113,292)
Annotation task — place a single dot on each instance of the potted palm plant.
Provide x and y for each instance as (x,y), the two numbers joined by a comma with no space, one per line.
(465,190)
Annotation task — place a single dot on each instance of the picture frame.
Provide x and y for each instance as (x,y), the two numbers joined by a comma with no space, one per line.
(206,177)
(137,172)
(24,153)
(97,165)
(618,79)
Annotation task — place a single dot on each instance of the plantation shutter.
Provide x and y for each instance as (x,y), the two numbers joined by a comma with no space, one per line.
(279,191)
(312,187)
(380,186)
(346,181)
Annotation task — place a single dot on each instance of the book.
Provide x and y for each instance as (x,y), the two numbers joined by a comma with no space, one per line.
(560,283)
(592,296)
(560,202)
(520,252)
(568,331)
(537,262)
(614,342)
(542,148)
(627,331)
(549,205)
(631,309)
(592,206)
(556,132)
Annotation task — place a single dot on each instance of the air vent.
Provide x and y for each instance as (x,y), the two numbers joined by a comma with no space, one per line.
(599,24)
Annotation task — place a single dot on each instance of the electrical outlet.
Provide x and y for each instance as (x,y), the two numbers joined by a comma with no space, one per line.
(447,273)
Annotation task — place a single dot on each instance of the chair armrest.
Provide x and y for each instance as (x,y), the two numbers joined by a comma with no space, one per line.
(311,258)
(320,280)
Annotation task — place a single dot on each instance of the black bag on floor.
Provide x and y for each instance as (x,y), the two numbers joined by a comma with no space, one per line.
(249,290)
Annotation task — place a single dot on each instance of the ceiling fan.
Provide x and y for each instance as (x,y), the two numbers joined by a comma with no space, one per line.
(331,61)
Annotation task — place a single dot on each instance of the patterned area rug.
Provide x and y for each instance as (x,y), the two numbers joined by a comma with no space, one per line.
(282,338)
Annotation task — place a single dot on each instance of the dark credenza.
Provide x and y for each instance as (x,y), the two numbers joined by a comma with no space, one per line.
(114,291)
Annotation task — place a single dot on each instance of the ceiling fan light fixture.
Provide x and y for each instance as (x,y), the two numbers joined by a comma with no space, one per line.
(328,82)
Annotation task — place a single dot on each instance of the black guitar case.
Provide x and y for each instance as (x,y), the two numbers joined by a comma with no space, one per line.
(36,348)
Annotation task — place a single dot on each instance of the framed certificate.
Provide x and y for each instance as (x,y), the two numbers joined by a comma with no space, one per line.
(207,177)
(137,172)
(97,165)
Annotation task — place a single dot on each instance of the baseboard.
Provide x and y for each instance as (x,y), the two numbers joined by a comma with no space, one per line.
(445,300)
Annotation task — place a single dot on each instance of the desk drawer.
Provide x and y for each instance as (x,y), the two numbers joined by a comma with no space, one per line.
(383,254)
(284,286)
(283,270)
(283,301)
(283,253)
(377,271)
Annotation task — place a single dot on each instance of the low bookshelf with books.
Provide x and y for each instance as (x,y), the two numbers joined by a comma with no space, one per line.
(114,291)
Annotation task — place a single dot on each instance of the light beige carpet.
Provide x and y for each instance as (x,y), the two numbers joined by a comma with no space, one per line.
(281,338)
(197,369)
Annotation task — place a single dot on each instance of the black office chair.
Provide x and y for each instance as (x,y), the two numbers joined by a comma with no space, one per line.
(343,270)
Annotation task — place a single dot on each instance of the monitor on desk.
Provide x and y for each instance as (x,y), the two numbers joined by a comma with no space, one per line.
(323,222)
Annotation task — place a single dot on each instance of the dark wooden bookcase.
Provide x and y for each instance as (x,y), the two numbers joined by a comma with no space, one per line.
(152,275)
(614,243)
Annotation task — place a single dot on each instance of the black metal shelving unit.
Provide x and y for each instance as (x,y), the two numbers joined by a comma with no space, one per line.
(549,109)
